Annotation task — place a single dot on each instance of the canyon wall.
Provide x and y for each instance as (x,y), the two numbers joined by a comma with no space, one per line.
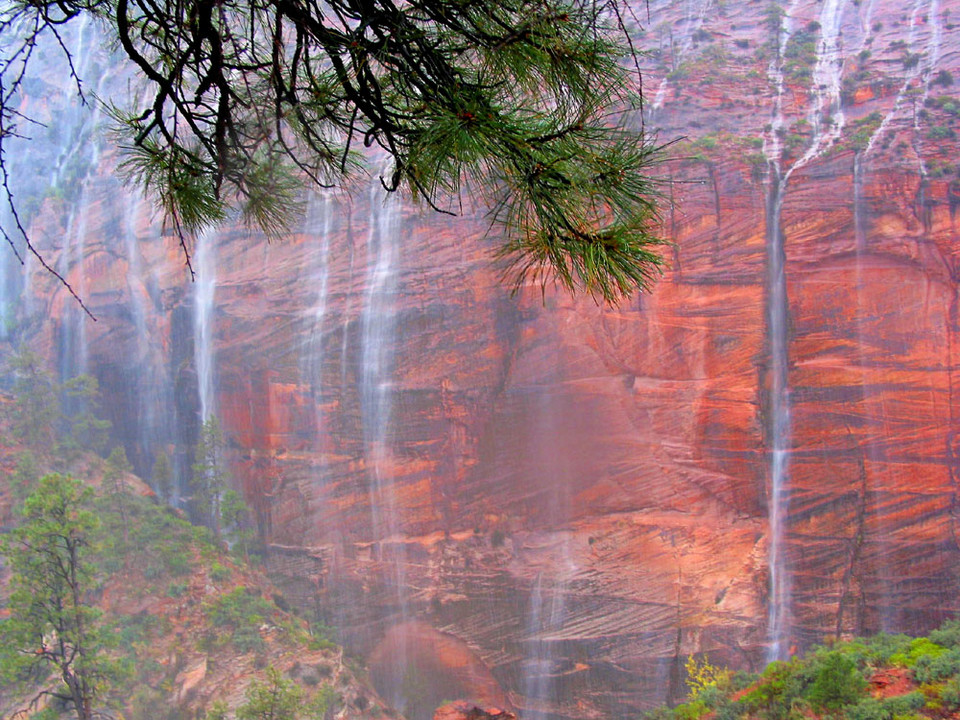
(547,503)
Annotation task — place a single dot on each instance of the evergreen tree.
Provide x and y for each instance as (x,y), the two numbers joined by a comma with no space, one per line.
(52,633)
(37,407)
(277,698)
(114,480)
(530,103)
(209,476)
(162,478)
(84,430)
(236,518)
(24,477)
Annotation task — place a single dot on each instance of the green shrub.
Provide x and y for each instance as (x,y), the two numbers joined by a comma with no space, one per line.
(944,78)
(930,668)
(883,646)
(904,704)
(778,691)
(241,607)
(837,682)
(941,132)
(867,709)
(247,640)
(950,694)
(219,573)
(947,634)
(693,710)
(916,649)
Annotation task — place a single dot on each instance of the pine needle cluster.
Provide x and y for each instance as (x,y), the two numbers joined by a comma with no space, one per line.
(532,102)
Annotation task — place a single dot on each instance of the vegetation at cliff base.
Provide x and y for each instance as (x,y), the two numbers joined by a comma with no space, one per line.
(112,604)
(885,677)
(528,105)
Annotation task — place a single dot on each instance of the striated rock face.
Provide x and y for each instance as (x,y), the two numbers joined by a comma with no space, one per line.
(558,500)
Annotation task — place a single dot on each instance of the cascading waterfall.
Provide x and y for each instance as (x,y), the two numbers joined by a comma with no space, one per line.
(11,278)
(547,611)
(927,64)
(545,615)
(543,628)
(826,115)
(378,325)
(779,408)
(827,120)
(73,344)
(692,21)
(319,213)
(778,620)
(905,91)
(377,343)
(153,393)
(204,292)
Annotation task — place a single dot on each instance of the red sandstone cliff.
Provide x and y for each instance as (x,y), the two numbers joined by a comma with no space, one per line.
(576,497)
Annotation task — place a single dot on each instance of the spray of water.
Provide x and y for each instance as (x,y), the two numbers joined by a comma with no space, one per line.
(204,289)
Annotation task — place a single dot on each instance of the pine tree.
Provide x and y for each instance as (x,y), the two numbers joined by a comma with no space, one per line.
(114,480)
(277,698)
(532,104)
(162,478)
(52,632)
(209,476)
(37,407)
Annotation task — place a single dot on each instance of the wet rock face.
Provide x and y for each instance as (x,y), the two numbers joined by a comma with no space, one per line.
(463,710)
(581,495)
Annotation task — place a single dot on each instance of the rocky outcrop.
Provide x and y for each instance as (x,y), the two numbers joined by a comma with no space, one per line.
(580,496)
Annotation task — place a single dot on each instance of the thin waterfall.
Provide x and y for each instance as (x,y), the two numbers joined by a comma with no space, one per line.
(694,13)
(204,289)
(779,423)
(152,387)
(377,347)
(376,353)
(319,213)
(377,340)
(777,310)
(11,276)
(74,354)
(826,114)
(547,612)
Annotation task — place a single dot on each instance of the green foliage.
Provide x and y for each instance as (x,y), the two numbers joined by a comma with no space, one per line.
(904,704)
(276,698)
(530,103)
(932,667)
(947,635)
(944,78)
(162,478)
(864,129)
(910,60)
(52,627)
(219,573)
(39,420)
(209,476)
(37,407)
(941,132)
(779,690)
(239,614)
(837,682)
(24,478)
(800,55)
(86,431)
(917,648)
